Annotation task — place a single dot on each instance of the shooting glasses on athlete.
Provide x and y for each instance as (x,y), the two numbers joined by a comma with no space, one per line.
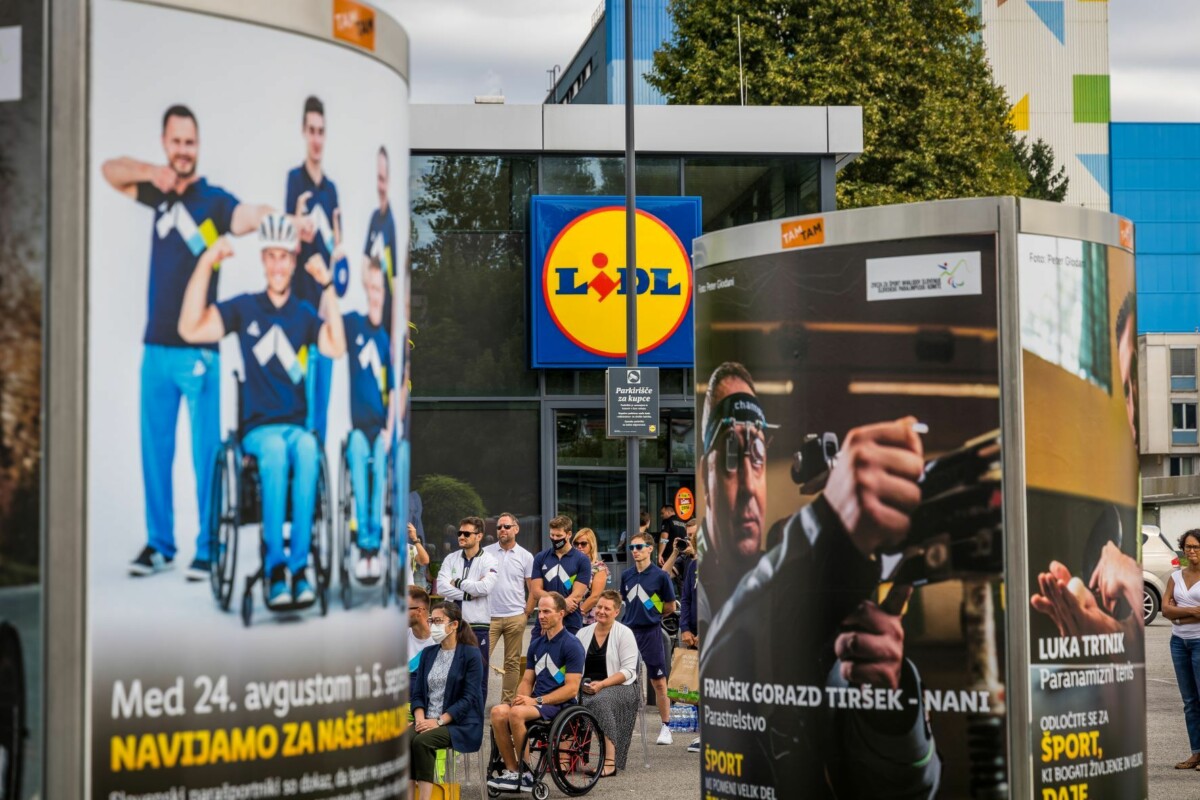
(740,416)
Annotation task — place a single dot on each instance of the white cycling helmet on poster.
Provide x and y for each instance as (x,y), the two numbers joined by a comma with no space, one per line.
(276,230)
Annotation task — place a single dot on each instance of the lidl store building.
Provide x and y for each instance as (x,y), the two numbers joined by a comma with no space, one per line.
(503,422)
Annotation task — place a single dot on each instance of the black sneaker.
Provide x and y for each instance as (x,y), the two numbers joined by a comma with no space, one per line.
(149,562)
(199,569)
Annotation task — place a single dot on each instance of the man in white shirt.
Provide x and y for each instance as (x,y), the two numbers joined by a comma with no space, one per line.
(507,603)
(467,577)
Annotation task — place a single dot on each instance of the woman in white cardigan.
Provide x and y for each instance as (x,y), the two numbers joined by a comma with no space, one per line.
(610,689)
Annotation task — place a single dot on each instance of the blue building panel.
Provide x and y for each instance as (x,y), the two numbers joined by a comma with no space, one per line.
(652,25)
(1156,183)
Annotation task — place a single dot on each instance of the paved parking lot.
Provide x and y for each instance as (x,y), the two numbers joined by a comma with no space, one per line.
(675,773)
(1167,740)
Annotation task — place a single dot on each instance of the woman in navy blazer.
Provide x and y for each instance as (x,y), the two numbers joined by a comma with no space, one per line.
(447,699)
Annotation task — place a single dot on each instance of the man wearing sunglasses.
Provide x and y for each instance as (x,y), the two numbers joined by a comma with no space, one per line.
(467,577)
(648,596)
(508,602)
(804,615)
(418,625)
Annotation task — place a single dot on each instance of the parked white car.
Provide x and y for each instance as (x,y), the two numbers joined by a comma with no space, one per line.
(1159,560)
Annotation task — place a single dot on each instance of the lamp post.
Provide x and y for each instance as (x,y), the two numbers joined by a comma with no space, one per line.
(632,443)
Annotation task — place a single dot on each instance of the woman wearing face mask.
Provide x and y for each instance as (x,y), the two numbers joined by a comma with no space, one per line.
(610,689)
(447,703)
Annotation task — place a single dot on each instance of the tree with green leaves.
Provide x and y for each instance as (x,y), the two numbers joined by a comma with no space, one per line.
(1038,163)
(935,125)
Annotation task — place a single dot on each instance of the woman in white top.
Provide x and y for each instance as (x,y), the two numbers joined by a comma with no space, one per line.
(610,689)
(1181,605)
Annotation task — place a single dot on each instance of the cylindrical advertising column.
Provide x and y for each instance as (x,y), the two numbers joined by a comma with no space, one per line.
(1086,635)
(863,491)
(247,327)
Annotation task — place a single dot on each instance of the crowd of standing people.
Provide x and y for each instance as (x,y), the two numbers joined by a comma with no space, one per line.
(588,642)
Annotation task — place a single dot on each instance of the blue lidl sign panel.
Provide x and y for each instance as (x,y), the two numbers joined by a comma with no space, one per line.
(577,285)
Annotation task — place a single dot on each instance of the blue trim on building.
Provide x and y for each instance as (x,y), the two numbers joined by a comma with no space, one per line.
(652,25)
(1156,183)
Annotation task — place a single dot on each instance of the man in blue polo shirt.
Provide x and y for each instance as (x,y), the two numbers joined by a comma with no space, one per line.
(371,414)
(311,194)
(381,236)
(553,670)
(563,569)
(189,215)
(648,596)
(277,332)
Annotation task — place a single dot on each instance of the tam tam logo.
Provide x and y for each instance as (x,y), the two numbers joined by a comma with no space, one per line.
(802,232)
(583,281)
(1125,230)
(354,23)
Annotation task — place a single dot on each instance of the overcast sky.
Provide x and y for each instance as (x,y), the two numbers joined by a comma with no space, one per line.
(463,48)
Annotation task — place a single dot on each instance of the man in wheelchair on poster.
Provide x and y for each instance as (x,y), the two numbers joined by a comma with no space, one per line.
(277,333)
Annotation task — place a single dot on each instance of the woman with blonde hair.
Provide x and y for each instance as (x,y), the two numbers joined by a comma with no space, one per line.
(585,542)
(610,689)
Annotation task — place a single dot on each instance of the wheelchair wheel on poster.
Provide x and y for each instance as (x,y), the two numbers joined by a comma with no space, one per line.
(224,522)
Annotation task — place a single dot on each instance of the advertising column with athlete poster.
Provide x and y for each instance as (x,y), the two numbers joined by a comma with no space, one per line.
(247,466)
(1086,636)
(919,505)
(852,554)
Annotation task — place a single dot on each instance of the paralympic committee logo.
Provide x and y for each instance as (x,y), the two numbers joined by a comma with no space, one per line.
(952,277)
(583,281)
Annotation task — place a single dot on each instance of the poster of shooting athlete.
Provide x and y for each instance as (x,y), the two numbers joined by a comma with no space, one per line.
(852,547)
(1086,637)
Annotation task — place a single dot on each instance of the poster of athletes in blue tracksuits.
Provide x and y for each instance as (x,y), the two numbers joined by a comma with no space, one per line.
(247,446)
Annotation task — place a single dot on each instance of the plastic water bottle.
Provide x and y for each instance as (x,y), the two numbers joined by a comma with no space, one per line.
(694,718)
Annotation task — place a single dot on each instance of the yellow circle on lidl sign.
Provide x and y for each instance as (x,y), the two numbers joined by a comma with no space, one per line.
(584,274)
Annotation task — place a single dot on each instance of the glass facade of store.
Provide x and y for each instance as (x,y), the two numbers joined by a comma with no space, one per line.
(490,434)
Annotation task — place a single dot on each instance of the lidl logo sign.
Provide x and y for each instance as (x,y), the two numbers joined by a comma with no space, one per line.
(578,287)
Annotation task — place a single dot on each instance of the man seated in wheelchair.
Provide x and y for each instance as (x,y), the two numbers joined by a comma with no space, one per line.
(553,670)
(277,332)
(371,413)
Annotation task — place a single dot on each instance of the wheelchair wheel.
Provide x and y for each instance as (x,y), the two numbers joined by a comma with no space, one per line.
(345,514)
(387,547)
(322,535)
(247,608)
(225,518)
(540,791)
(576,748)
